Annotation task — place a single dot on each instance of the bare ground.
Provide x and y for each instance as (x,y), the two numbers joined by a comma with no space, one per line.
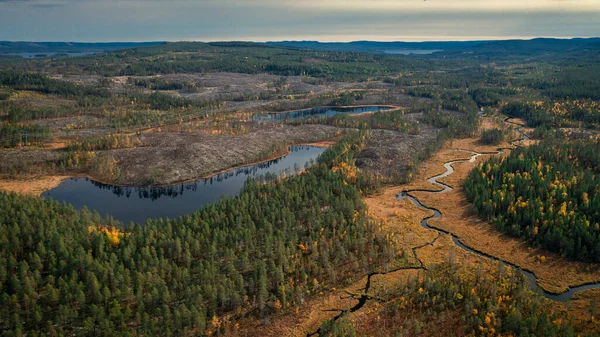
(32,185)
(169,158)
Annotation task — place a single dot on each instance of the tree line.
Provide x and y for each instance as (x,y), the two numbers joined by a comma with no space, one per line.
(269,249)
(547,194)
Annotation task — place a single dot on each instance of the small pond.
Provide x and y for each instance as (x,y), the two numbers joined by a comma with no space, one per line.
(319,112)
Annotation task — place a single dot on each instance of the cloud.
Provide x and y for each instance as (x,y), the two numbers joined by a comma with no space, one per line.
(36,3)
(151,20)
(48,5)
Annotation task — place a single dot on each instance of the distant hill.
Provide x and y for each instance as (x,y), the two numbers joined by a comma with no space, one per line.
(476,49)
(526,48)
(541,49)
(378,47)
(52,48)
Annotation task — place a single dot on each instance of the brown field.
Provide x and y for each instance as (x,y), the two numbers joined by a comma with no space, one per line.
(554,275)
(304,320)
(33,185)
(324,143)
(586,308)
(402,219)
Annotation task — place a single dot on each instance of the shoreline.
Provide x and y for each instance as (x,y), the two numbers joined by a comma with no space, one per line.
(27,184)
(391,107)
(53,180)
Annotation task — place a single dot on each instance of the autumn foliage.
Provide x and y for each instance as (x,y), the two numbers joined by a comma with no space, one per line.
(547,194)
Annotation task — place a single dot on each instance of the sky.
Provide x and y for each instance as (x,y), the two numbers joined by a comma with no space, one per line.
(275,20)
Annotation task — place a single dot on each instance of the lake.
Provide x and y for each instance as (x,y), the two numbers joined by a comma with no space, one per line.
(319,112)
(411,51)
(140,203)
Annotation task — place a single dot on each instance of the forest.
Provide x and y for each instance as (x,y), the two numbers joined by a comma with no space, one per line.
(284,242)
(13,135)
(251,58)
(546,194)
(67,272)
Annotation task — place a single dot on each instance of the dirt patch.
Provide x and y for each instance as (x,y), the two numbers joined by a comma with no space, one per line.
(325,143)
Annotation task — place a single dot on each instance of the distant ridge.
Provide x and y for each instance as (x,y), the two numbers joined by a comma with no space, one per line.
(14,47)
(521,47)
(540,47)
(484,49)
(375,46)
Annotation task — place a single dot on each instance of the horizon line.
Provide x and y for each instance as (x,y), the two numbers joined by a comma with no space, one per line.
(475,39)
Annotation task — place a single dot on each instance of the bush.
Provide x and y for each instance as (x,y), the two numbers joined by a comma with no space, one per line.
(4,95)
(492,137)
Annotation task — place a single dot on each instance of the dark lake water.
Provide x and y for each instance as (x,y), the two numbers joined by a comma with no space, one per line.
(411,51)
(140,203)
(319,112)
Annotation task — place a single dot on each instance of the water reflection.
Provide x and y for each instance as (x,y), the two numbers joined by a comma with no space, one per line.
(318,112)
(261,171)
(140,203)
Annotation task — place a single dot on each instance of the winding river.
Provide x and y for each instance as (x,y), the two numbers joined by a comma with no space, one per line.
(532,279)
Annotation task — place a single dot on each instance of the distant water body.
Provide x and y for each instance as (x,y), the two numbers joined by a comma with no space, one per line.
(319,112)
(411,52)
